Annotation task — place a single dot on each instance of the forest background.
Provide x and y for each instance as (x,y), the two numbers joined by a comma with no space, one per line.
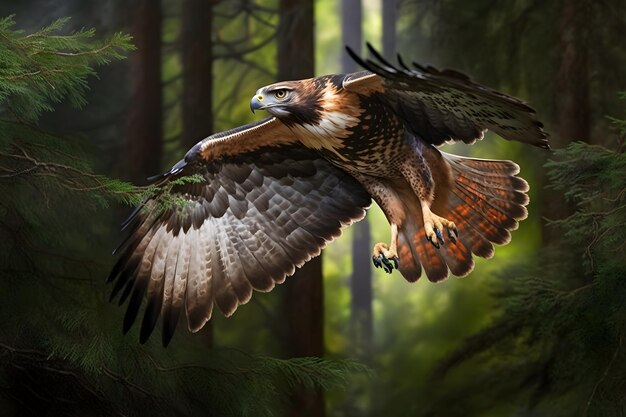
(535,331)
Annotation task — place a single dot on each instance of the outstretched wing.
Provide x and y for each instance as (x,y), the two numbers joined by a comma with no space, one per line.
(440,106)
(255,216)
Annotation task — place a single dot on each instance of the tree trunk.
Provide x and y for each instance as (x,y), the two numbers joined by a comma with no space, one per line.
(571,85)
(296,53)
(197,60)
(197,100)
(361,316)
(571,92)
(390,9)
(351,32)
(303,301)
(144,131)
(361,326)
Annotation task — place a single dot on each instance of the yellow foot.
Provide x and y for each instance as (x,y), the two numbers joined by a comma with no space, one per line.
(433,227)
(383,257)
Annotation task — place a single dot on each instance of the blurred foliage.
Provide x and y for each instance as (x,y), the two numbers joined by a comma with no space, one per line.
(514,46)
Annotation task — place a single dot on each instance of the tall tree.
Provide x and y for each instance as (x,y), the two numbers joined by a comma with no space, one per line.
(144,132)
(304,292)
(197,100)
(390,12)
(197,61)
(361,279)
(572,110)
(571,82)
(351,31)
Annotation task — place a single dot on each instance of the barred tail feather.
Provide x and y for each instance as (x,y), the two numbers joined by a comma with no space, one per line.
(485,199)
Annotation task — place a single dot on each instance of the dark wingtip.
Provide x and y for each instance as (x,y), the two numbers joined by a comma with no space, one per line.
(130,218)
(354,56)
(379,56)
(125,293)
(117,268)
(150,318)
(402,63)
(132,310)
(178,166)
(368,65)
(145,332)
(419,66)
(158,176)
(123,243)
(166,339)
(170,321)
(133,307)
(128,323)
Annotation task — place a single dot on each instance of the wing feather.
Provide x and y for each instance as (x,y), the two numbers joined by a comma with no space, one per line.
(441,106)
(256,216)
(169,285)
(198,286)
(155,285)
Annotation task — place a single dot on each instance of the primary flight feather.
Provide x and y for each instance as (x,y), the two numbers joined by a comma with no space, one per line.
(275,192)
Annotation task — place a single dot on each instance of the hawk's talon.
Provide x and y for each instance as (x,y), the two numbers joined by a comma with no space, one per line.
(451,235)
(435,225)
(385,258)
(388,267)
(381,261)
(434,243)
(439,236)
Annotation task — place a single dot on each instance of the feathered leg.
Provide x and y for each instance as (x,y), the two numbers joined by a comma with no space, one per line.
(383,255)
(417,173)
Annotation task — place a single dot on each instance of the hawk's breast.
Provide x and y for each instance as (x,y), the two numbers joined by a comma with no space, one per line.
(357,133)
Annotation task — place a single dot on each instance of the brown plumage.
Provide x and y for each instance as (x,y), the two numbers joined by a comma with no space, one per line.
(277,191)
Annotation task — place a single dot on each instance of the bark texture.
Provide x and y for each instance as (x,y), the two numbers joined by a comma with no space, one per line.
(144,132)
(197,60)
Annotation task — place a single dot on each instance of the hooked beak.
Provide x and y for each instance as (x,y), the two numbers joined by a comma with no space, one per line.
(257,103)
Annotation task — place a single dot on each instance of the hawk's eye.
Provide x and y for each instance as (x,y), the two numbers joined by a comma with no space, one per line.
(280,94)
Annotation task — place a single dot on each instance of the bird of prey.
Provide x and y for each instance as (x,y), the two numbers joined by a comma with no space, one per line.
(275,192)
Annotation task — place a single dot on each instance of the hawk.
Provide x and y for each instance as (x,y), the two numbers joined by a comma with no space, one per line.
(275,192)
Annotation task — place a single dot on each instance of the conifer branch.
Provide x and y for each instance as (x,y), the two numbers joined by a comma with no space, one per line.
(603,377)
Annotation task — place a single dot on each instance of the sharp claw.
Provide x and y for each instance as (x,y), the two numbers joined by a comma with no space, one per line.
(435,244)
(451,236)
(456,231)
(387,265)
(439,236)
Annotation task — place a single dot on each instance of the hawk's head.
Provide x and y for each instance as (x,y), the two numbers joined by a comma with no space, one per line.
(291,101)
